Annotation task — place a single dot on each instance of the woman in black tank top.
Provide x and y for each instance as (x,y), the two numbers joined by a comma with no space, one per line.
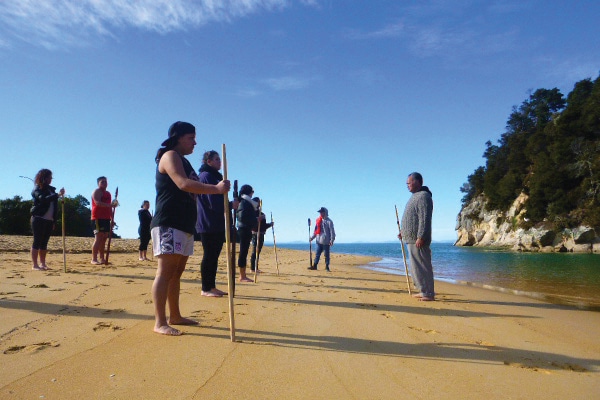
(176,185)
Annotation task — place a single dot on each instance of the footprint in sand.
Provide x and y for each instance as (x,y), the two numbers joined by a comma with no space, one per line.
(387,315)
(106,325)
(430,331)
(484,343)
(117,310)
(39,286)
(31,347)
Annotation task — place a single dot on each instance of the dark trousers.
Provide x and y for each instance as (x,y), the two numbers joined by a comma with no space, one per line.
(256,249)
(322,248)
(144,240)
(212,244)
(245,236)
(42,229)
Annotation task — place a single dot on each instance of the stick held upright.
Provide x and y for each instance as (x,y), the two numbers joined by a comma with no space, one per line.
(230,266)
(112,225)
(274,244)
(64,232)
(403,253)
(309,245)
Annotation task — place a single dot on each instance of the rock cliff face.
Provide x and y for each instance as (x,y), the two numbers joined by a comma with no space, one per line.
(477,227)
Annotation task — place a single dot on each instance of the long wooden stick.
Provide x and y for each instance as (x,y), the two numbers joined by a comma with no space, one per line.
(274,244)
(112,225)
(257,245)
(230,266)
(310,244)
(63,235)
(403,253)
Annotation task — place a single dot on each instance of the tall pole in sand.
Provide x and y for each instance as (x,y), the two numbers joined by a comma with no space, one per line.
(112,225)
(274,243)
(310,244)
(403,253)
(63,235)
(230,266)
(257,243)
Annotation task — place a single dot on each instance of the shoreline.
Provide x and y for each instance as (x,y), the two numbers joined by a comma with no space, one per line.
(352,333)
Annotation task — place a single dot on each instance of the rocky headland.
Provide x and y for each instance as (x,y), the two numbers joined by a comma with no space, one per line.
(476,226)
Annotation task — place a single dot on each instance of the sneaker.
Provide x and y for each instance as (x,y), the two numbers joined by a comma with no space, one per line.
(312,268)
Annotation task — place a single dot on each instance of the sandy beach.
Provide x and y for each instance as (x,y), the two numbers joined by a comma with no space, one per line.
(349,334)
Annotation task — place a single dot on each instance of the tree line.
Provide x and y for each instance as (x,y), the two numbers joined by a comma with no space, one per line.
(15,215)
(551,152)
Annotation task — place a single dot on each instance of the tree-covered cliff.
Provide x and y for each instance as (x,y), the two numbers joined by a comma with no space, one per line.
(550,153)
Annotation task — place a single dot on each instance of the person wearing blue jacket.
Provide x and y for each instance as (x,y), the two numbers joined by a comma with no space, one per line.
(210,224)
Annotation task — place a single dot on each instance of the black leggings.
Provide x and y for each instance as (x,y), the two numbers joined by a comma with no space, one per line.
(144,240)
(42,229)
(245,236)
(212,244)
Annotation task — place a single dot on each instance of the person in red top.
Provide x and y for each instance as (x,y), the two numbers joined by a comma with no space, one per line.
(101,214)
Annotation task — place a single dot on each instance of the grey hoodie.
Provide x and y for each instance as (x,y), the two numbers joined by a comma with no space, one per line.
(416,220)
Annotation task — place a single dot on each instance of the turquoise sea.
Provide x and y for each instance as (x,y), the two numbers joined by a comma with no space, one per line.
(563,278)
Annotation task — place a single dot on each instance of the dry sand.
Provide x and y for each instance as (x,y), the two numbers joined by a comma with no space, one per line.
(348,334)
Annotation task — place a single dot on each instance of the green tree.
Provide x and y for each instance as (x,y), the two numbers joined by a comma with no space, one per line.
(15,216)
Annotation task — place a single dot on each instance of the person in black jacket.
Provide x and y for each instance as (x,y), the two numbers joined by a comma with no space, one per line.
(246,223)
(144,230)
(43,216)
(258,238)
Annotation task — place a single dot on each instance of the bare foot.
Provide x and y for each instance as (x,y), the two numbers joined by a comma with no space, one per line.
(167,330)
(211,294)
(183,321)
(427,298)
(417,295)
(37,268)
(45,267)
(222,293)
(246,279)
(96,262)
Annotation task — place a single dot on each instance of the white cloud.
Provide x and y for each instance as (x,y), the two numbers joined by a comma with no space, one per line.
(55,23)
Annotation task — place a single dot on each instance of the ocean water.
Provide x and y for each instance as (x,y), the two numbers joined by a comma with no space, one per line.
(563,278)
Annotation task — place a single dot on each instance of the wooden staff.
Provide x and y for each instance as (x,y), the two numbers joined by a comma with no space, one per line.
(230,266)
(63,235)
(403,253)
(234,232)
(310,244)
(274,243)
(112,225)
(257,243)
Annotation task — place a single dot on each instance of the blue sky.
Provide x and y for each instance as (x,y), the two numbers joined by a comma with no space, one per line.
(320,103)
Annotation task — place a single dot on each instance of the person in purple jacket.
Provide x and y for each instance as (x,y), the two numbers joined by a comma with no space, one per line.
(210,224)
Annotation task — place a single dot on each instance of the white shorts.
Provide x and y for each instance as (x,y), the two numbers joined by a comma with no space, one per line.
(167,240)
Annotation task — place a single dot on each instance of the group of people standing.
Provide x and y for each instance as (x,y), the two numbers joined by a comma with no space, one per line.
(191,207)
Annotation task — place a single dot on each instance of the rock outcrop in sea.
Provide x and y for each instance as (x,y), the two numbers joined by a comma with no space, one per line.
(477,227)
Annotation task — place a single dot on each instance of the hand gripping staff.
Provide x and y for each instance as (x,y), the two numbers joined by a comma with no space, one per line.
(309,244)
(112,224)
(274,244)
(257,243)
(403,253)
(230,266)
(63,234)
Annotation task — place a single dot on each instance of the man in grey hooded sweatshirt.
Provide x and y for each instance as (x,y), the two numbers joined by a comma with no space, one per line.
(416,231)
